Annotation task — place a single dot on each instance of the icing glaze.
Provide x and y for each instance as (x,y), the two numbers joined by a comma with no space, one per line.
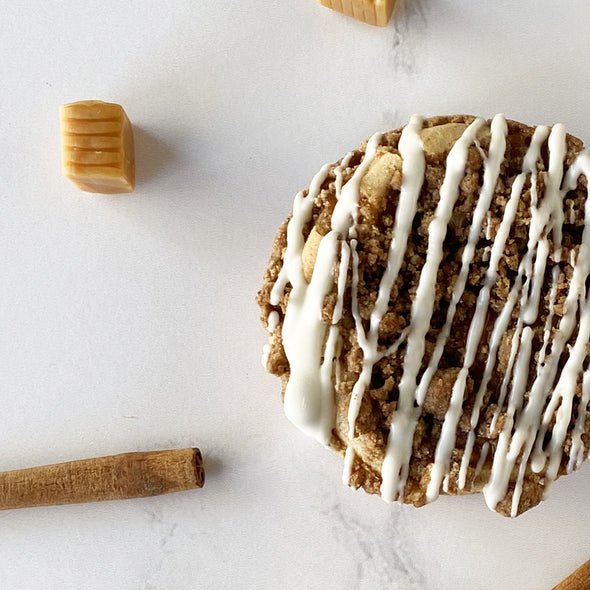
(537,415)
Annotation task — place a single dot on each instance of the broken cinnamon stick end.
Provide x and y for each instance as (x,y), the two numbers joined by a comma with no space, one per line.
(162,472)
(199,468)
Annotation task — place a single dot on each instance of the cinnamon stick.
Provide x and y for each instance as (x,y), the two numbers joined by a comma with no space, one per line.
(579,580)
(116,477)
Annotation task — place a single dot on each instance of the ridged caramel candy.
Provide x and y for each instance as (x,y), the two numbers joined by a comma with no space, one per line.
(372,12)
(97,147)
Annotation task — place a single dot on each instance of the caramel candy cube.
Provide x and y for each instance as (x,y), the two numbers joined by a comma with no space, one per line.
(372,12)
(97,147)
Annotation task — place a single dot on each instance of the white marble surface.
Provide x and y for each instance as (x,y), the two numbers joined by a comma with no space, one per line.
(128,322)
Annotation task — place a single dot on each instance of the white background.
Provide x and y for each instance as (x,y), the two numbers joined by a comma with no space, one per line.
(128,322)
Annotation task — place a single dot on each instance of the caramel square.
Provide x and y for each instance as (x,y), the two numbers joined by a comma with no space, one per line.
(97,147)
(372,12)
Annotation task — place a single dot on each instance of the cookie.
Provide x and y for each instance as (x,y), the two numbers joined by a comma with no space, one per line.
(427,309)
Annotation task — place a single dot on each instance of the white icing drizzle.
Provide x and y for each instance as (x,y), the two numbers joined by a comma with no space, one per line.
(577,450)
(491,174)
(577,300)
(307,402)
(533,275)
(309,395)
(447,439)
(412,173)
(446,482)
(555,274)
(528,429)
(510,445)
(563,394)
(313,347)
(504,318)
(265,354)
(272,323)
(516,397)
(482,459)
(572,212)
(404,419)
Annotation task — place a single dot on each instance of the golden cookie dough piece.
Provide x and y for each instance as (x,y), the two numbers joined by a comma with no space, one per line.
(97,147)
(372,12)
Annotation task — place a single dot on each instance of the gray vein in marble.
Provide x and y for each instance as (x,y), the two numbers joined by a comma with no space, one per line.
(381,560)
(408,15)
(166,530)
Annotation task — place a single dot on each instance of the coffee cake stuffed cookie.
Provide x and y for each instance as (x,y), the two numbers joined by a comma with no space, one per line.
(428,310)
